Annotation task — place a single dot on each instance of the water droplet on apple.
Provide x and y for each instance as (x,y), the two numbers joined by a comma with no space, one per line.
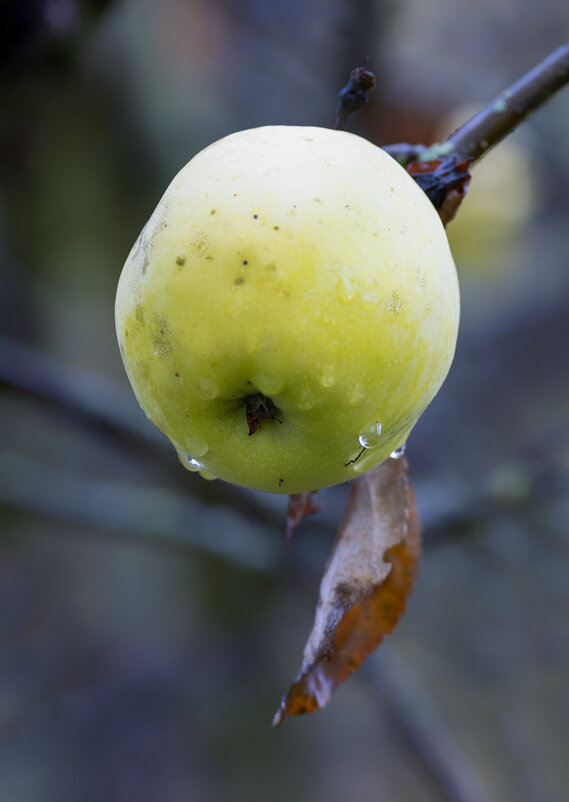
(328,379)
(370,436)
(346,289)
(208,388)
(398,452)
(195,446)
(267,384)
(189,462)
(357,394)
(306,400)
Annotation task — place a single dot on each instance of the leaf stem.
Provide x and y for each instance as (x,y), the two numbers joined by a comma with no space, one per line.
(354,94)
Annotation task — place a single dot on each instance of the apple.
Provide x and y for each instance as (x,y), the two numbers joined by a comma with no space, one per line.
(289,310)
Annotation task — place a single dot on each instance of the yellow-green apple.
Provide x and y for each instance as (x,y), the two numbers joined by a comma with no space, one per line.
(289,310)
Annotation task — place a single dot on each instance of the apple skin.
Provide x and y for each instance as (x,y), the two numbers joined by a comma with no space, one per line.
(303,264)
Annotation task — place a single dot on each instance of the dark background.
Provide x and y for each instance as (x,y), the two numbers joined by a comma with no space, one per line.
(149,620)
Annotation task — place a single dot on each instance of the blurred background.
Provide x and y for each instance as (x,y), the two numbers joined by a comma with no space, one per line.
(149,620)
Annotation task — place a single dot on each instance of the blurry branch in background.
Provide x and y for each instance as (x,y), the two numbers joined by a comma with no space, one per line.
(499,118)
(161,517)
(516,487)
(151,515)
(97,403)
(423,727)
(93,400)
(155,514)
(164,518)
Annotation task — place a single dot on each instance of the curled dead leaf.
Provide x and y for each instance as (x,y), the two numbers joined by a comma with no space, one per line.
(445,182)
(300,505)
(369,576)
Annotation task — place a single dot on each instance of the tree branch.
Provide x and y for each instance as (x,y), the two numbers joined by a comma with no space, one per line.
(499,118)
(512,106)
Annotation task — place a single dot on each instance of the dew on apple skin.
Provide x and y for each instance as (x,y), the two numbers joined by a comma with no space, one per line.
(306,400)
(328,377)
(363,461)
(370,436)
(189,462)
(357,394)
(353,458)
(267,384)
(346,289)
(397,453)
(208,388)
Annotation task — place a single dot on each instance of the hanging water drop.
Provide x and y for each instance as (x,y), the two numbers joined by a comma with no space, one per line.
(189,462)
(370,436)
(397,453)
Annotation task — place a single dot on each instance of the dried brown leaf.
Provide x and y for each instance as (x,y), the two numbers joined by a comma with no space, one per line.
(300,505)
(369,576)
(445,182)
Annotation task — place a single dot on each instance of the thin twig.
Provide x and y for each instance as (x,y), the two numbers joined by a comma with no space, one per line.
(354,95)
(497,119)
(511,107)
